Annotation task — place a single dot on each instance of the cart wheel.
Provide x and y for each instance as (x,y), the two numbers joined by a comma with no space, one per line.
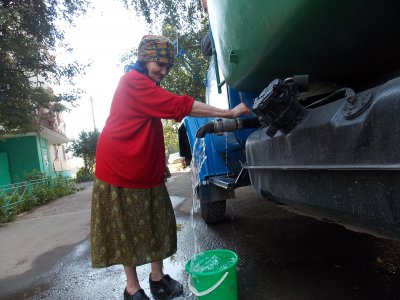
(213,212)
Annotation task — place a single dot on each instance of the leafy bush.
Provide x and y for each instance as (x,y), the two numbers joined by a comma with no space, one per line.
(6,213)
(28,196)
(33,175)
(63,186)
(43,192)
(82,175)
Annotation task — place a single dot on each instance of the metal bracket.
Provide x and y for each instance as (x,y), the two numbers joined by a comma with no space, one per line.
(355,106)
(233,57)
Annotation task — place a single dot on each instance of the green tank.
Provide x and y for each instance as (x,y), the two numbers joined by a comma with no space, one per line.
(345,41)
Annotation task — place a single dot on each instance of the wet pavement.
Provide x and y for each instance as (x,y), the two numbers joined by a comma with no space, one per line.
(281,256)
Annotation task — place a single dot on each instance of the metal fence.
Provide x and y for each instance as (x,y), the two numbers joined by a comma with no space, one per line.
(15,195)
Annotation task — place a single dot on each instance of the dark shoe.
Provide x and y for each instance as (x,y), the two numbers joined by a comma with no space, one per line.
(139,295)
(166,288)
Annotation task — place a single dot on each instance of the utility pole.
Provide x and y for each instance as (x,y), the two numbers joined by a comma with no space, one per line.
(91,103)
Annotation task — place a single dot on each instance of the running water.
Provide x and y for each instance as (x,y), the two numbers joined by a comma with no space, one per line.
(226,154)
(198,158)
(227,175)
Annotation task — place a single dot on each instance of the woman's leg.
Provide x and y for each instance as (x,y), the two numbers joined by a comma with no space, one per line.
(132,282)
(156,270)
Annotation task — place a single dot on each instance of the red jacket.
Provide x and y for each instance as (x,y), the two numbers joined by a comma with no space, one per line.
(130,151)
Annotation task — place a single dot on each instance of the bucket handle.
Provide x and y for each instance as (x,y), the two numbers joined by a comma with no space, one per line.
(207,291)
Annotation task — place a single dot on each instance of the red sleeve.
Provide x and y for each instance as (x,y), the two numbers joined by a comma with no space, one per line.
(153,101)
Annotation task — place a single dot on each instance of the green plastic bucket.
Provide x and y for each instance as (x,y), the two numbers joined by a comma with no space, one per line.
(212,275)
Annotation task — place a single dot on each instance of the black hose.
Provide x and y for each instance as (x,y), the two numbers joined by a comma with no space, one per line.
(203,130)
(226,125)
(348,93)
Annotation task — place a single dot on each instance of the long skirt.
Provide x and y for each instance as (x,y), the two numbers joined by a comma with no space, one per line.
(131,227)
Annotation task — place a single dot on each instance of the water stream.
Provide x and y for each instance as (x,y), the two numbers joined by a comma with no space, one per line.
(198,159)
(226,154)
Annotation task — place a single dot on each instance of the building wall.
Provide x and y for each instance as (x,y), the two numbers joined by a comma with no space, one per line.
(5,177)
(22,156)
(59,160)
(44,156)
(26,154)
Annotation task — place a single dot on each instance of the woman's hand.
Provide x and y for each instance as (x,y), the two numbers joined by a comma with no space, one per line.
(239,110)
(200,109)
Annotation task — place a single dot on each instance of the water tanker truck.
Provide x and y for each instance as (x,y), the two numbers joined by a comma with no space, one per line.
(322,79)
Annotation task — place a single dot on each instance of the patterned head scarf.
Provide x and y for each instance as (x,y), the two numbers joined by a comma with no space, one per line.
(156,48)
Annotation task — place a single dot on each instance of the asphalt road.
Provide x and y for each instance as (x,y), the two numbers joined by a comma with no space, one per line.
(45,254)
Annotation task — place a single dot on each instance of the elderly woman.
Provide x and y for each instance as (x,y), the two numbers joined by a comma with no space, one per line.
(133,221)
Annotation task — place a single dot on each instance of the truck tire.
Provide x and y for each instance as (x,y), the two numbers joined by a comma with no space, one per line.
(213,212)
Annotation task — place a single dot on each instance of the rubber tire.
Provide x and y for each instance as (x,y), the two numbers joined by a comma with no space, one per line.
(213,212)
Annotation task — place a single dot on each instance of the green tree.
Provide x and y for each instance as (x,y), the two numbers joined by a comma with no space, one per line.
(170,128)
(184,15)
(188,74)
(85,148)
(29,36)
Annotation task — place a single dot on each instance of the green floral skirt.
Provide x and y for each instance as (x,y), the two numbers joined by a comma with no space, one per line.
(131,227)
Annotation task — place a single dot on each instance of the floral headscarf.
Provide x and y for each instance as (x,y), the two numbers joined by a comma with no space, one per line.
(156,48)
